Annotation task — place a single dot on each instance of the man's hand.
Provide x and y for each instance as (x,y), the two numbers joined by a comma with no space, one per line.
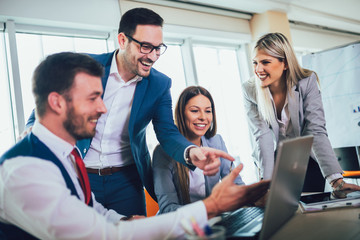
(227,196)
(132,217)
(207,159)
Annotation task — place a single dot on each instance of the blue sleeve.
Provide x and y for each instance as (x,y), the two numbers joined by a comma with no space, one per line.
(31,120)
(171,140)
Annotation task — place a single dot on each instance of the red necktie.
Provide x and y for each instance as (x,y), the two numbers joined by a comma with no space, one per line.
(83,177)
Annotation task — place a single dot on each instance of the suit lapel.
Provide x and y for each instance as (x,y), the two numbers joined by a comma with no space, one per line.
(107,66)
(137,101)
(293,101)
(209,180)
(274,124)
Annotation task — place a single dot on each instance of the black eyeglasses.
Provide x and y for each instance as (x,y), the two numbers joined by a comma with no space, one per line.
(147,48)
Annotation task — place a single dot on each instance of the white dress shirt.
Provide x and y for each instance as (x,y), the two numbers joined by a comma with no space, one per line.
(34,197)
(196,185)
(111,144)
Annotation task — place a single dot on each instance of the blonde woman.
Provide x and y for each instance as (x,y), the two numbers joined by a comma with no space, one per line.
(175,184)
(283,101)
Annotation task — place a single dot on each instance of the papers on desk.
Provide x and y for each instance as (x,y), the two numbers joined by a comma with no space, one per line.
(328,200)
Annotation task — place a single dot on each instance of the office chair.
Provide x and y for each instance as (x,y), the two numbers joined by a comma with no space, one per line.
(152,206)
(348,158)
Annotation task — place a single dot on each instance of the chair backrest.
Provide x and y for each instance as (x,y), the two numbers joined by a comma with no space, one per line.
(348,158)
(152,206)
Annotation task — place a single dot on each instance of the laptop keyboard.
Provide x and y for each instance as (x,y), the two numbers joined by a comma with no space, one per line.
(239,218)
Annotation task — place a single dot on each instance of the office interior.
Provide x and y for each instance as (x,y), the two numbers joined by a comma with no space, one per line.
(209,44)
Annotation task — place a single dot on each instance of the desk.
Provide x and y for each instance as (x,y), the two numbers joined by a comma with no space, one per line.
(332,224)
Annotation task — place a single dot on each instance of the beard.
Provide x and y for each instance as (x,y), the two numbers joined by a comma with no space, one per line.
(132,64)
(75,124)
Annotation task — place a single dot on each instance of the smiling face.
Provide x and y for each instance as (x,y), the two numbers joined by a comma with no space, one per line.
(132,62)
(270,70)
(84,106)
(198,117)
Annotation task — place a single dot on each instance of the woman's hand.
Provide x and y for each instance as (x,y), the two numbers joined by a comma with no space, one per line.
(341,188)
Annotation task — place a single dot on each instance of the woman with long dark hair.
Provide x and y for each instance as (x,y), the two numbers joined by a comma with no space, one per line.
(175,184)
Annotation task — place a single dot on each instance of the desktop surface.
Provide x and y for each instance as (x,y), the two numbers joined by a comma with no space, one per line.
(330,225)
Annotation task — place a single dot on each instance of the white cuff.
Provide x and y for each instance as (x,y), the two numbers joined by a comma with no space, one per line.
(333,176)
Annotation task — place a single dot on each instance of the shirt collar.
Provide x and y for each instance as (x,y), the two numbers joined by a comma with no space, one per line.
(114,71)
(58,146)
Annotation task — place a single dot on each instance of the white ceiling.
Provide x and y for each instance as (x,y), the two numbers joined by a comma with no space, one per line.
(336,14)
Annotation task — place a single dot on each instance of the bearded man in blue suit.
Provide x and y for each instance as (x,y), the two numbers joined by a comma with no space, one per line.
(117,158)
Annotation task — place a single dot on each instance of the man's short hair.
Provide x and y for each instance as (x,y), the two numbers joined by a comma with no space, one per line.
(138,16)
(56,74)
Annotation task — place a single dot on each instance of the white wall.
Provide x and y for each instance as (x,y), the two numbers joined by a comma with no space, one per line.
(192,18)
(97,15)
(203,26)
(104,15)
(316,39)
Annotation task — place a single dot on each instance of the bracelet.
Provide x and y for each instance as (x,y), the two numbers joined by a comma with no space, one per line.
(340,186)
(187,156)
(334,181)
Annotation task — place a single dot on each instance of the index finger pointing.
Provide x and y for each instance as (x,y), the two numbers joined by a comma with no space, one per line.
(223,154)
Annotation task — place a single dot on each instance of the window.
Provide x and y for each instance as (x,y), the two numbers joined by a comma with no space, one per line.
(218,71)
(7,137)
(33,48)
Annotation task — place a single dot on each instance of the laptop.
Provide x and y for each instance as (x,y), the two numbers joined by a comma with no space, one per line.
(284,194)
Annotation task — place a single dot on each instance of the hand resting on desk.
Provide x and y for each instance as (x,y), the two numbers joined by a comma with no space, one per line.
(341,188)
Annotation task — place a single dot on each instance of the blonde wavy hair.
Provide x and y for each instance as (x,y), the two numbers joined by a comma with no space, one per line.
(276,45)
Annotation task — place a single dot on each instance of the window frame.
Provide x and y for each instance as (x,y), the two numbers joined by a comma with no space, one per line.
(10,29)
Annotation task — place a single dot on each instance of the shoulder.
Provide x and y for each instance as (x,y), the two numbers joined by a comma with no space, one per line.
(308,82)
(28,166)
(159,150)
(249,88)
(310,78)
(104,58)
(19,149)
(160,157)
(158,83)
(214,142)
(156,77)
(157,74)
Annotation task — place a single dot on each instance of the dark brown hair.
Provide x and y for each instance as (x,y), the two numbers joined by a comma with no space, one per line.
(185,96)
(138,16)
(56,74)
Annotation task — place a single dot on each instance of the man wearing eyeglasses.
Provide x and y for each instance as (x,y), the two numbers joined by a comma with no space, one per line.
(117,158)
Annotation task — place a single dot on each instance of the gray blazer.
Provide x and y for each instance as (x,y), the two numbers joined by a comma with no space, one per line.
(307,117)
(166,183)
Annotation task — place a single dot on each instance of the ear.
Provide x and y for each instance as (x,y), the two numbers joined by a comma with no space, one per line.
(122,40)
(56,102)
(286,65)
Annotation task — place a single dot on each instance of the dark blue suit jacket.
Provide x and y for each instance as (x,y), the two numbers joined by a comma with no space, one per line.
(152,102)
